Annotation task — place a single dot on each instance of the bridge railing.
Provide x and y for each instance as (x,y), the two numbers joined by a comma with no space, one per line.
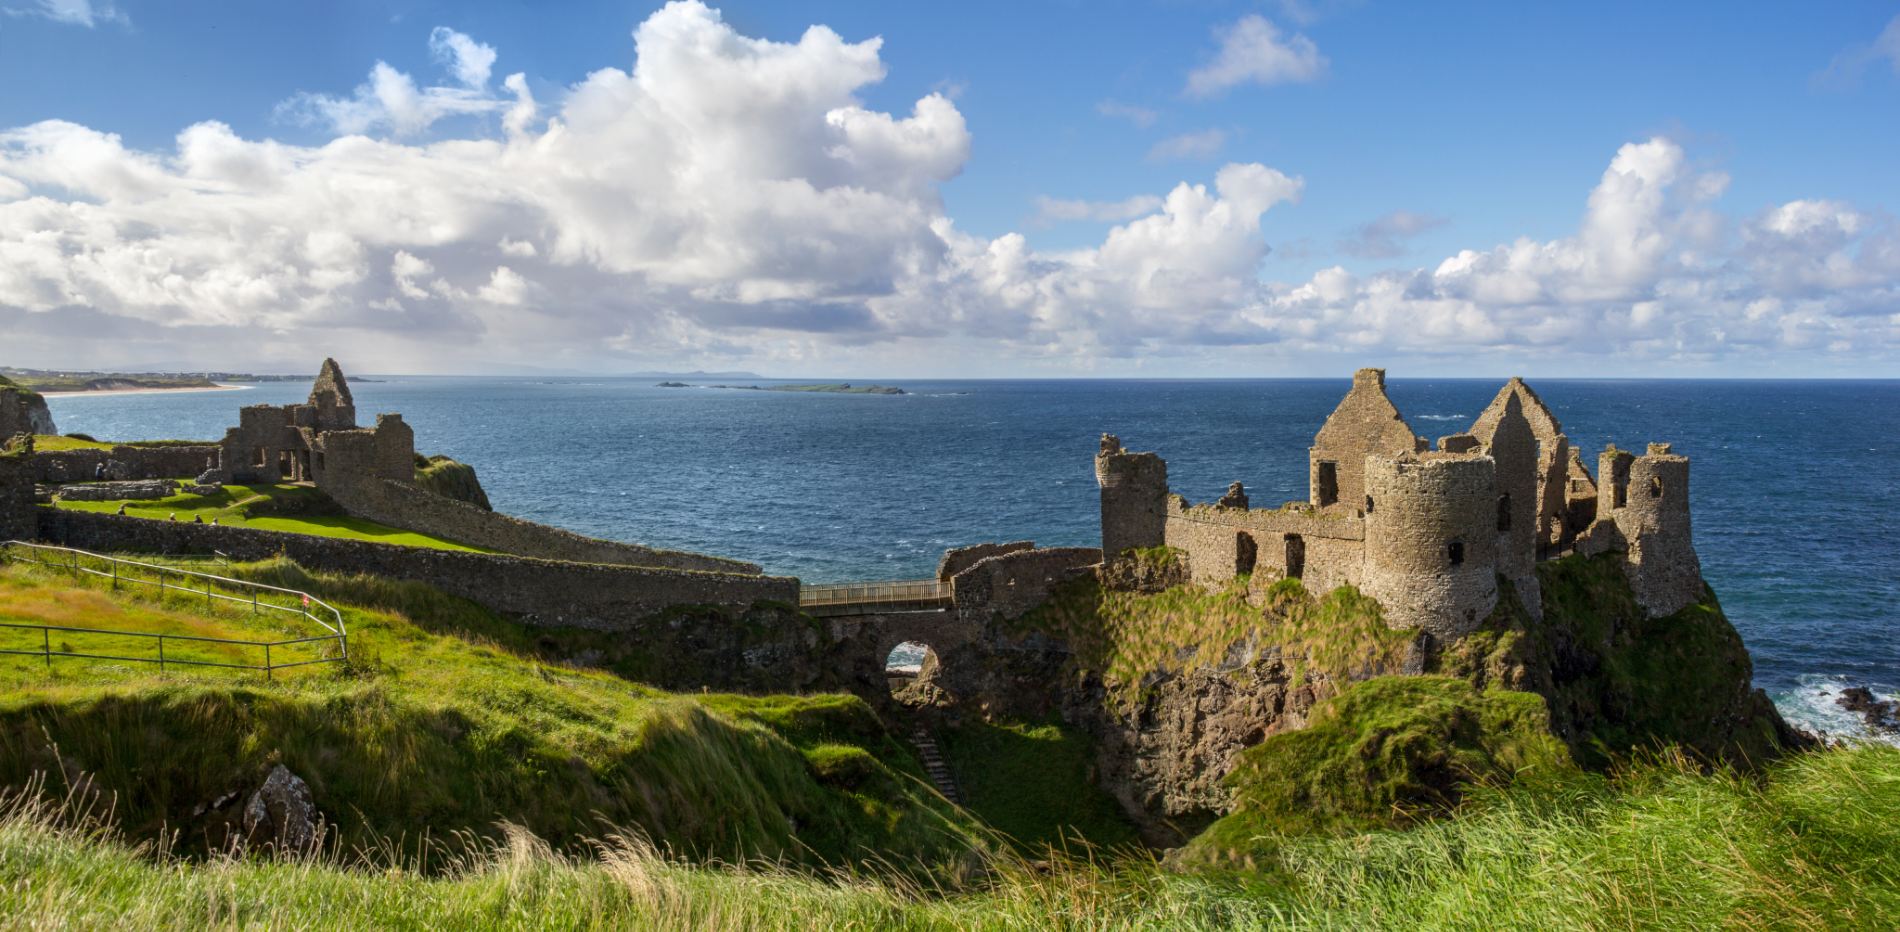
(864,597)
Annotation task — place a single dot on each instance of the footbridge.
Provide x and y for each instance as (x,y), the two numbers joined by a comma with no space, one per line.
(875,598)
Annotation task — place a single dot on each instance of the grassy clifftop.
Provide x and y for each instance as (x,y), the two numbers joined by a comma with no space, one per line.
(449,721)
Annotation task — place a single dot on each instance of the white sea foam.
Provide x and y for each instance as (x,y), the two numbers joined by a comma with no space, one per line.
(1440,417)
(1814,706)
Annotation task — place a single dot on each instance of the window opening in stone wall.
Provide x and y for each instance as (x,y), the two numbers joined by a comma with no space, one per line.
(1328,483)
(1621,496)
(283,463)
(1655,487)
(1504,512)
(1295,556)
(1368,504)
(1456,551)
(258,457)
(1246,553)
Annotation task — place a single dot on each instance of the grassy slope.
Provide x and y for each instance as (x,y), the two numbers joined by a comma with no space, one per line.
(52,443)
(1034,783)
(439,728)
(1815,846)
(270,508)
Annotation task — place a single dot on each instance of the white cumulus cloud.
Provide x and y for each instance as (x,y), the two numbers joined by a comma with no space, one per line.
(1254,51)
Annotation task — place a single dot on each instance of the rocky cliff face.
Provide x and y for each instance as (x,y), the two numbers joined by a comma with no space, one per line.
(1174,682)
(23,412)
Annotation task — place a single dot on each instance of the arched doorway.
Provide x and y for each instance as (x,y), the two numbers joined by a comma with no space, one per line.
(910,669)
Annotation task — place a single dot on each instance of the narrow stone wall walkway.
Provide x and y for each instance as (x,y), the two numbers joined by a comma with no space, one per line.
(926,745)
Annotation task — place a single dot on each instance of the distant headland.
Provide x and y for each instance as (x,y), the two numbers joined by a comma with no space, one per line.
(68,382)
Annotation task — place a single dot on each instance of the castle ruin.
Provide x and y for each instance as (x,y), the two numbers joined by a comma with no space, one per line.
(1428,531)
(317,441)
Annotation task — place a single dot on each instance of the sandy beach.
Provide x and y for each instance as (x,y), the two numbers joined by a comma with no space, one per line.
(221,387)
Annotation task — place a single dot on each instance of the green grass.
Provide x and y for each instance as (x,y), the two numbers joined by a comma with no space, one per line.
(450,479)
(53,443)
(293,509)
(1815,845)
(435,733)
(1034,783)
(1386,752)
(1127,635)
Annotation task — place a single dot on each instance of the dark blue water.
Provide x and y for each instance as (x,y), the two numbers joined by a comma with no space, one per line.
(1795,484)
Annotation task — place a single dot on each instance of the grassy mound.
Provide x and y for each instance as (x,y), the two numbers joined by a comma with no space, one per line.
(1619,681)
(296,509)
(1814,846)
(435,734)
(1385,752)
(450,479)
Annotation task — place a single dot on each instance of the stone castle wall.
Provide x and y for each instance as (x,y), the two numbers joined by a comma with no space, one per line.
(1321,547)
(1004,587)
(156,462)
(1365,422)
(403,505)
(1661,561)
(958,559)
(537,592)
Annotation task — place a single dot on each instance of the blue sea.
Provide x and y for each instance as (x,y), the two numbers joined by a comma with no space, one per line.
(1796,485)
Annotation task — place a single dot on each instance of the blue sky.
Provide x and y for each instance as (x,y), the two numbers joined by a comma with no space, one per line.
(1758,237)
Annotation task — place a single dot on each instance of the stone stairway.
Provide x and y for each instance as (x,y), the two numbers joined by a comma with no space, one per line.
(932,759)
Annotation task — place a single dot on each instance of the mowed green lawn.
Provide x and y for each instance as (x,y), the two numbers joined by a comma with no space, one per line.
(252,506)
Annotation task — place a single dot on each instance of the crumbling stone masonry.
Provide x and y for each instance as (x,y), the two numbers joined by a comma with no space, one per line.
(1426,531)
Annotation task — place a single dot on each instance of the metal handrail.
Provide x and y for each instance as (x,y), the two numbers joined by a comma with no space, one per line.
(909,592)
(303,606)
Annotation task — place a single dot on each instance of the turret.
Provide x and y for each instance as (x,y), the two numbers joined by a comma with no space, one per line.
(1134,498)
(1663,568)
(1513,447)
(1431,540)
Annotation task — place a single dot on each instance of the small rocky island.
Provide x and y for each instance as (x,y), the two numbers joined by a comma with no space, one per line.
(834,388)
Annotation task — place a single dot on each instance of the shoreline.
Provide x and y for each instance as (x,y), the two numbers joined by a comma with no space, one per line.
(88,393)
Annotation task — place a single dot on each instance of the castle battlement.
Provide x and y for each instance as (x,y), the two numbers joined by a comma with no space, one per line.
(1427,530)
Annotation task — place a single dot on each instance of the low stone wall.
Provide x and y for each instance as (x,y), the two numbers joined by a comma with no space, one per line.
(406,506)
(170,462)
(1004,587)
(135,489)
(539,592)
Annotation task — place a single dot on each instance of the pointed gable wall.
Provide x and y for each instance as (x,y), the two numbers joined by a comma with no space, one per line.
(330,396)
(1365,422)
(1553,455)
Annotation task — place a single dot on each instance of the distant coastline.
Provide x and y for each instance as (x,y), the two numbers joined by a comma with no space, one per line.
(105,392)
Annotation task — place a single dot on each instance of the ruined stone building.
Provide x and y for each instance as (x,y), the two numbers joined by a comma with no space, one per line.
(1426,530)
(317,441)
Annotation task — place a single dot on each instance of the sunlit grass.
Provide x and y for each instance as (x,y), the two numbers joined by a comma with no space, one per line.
(247,506)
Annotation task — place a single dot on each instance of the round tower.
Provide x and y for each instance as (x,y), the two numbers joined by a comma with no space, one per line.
(1431,540)
(1134,498)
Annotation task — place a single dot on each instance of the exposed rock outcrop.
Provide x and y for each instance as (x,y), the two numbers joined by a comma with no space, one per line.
(281,813)
(23,412)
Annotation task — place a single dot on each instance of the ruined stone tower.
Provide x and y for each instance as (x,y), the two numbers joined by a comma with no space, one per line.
(1134,498)
(1521,515)
(1643,507)
(1431,539)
